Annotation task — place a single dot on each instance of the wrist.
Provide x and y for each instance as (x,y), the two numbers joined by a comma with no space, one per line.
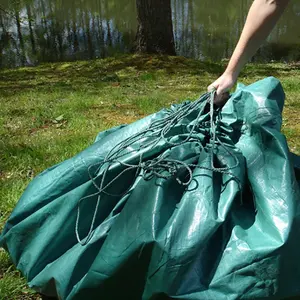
(235,64)
(234,73)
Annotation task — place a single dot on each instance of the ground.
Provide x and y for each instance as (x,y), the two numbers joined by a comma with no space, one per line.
(51,112)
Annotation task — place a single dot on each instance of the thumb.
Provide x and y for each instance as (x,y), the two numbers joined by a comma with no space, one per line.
(212,87)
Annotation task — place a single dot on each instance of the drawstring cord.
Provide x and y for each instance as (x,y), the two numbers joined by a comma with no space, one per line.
(161,167)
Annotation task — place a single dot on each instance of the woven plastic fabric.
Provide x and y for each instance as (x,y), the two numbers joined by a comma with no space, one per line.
(192,202)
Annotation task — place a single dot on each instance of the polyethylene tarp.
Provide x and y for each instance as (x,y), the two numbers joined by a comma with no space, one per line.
(192,202)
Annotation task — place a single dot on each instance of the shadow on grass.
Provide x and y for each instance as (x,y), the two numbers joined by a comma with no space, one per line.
(89,74)
(65,75)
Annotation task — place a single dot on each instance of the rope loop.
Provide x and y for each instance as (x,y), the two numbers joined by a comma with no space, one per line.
(161,167)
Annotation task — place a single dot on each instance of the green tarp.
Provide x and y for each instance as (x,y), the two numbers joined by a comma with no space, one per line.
(192,202)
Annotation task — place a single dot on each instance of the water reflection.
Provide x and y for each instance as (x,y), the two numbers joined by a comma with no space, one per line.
(33,31)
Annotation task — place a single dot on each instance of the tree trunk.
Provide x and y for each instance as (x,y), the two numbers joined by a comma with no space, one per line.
(20,36)
(88,33)
(30,29)
(155,30)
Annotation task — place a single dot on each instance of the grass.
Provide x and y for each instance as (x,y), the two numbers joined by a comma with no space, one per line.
(51,112)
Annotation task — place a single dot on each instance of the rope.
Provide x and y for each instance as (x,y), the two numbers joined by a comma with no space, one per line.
(162,166)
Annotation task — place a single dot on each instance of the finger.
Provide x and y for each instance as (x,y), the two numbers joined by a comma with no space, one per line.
(211,87)
(218,95)
(225,97)
(221,97)
(218,99)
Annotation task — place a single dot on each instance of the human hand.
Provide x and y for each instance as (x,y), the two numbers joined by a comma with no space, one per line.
(222,86)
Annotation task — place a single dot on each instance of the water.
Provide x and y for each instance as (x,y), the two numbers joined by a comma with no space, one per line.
(34,31)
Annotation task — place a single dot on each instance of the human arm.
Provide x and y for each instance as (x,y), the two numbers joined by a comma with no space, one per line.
(262,17)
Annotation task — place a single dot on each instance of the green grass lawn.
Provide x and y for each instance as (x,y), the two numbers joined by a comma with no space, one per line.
(51,112)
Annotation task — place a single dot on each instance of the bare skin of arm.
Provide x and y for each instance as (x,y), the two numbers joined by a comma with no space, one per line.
(262,18)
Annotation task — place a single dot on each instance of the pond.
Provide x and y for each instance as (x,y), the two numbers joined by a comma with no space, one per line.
(35,31)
